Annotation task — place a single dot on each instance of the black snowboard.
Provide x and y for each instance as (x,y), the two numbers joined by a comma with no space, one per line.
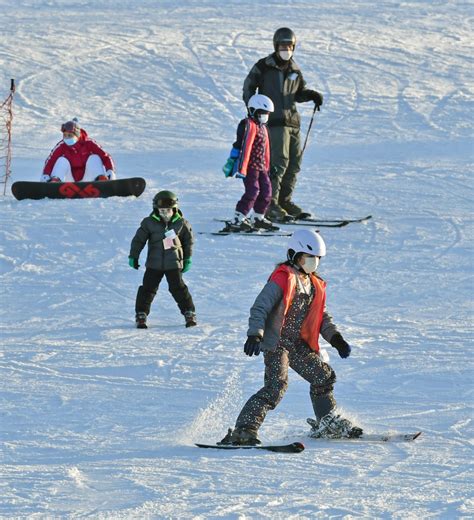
(78,190)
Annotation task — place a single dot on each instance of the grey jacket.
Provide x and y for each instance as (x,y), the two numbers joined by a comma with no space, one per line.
(152,230)
(267,316)
(284,87)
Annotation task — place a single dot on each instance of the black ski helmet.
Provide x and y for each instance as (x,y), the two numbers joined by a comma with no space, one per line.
(283,35)
(165,199)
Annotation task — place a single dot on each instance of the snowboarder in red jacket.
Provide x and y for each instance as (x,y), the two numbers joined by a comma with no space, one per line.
(77,158)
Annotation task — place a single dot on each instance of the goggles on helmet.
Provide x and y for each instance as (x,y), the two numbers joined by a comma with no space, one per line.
(165,203)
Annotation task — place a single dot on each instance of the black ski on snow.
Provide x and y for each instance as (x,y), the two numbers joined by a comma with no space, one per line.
(332,223)
(315,222)
(229,229)
(369,437)
(247,233)
(294,447)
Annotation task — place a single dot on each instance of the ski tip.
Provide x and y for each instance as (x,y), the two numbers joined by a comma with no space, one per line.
(416,435)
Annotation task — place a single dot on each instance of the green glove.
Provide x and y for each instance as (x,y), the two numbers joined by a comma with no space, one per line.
(228,167)
(187,264)
(133,262)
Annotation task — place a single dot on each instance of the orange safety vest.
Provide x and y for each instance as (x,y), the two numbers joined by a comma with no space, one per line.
(311,326)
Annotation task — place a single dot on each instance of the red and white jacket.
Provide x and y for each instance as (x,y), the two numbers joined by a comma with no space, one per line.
(77,156)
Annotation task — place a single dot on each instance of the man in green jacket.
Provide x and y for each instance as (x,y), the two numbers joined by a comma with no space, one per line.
(279,77)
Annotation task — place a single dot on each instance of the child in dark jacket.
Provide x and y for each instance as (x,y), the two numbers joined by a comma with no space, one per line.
(250,161)
(170,242)
(285,323)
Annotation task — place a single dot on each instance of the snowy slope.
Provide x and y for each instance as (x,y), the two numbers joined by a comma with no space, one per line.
(98,419)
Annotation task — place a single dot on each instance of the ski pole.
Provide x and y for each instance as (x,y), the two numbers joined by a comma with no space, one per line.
(316,107)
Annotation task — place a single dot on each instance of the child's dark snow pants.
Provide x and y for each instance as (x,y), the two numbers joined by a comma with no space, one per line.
(151,281)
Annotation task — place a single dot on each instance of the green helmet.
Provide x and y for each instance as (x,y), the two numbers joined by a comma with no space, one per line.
(165,199)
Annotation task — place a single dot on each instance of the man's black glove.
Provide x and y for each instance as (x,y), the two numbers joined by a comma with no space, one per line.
(252,346)
(317,98)
(341,345)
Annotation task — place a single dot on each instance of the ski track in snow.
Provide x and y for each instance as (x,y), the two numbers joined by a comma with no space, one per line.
(99,419)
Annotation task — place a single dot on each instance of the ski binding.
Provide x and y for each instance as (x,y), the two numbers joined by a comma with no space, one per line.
(231,229)
(367,437)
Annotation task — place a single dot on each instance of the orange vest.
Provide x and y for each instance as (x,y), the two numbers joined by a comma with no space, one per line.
(311,326)
(247,143)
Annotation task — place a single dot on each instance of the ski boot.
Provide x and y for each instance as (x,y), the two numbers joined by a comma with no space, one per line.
(294,210)
(278,214)
(240,224)
(240,437)
(190,318)
(140,320)
(260,222)
(333,426)
(101,178)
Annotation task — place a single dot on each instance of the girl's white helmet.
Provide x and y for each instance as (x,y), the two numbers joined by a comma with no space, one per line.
(260,102)
(306,241)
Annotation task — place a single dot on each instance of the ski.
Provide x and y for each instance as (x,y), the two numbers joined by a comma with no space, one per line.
(368,437)
(314,222)
(336,223)
(374,437)
(334,220)
(247,233)
(294,447)
(231,229)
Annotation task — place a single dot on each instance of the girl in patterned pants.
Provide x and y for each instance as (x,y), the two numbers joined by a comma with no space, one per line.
(285,322)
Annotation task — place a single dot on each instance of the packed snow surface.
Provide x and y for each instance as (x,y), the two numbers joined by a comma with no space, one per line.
(99,419)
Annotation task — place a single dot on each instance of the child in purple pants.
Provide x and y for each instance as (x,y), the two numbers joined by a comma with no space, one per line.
(250,160)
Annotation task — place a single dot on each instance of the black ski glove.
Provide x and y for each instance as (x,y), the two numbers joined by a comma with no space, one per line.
(252,346)
(341,345)
(317,98)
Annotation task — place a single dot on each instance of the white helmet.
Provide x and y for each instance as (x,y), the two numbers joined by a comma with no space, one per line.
(306,241)
(260,102)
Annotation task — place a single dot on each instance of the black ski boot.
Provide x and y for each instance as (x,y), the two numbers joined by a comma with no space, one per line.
(240,437)
(278,214)
(294,210)
(190,318)
(140,320)
(264,224)
(240,223)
